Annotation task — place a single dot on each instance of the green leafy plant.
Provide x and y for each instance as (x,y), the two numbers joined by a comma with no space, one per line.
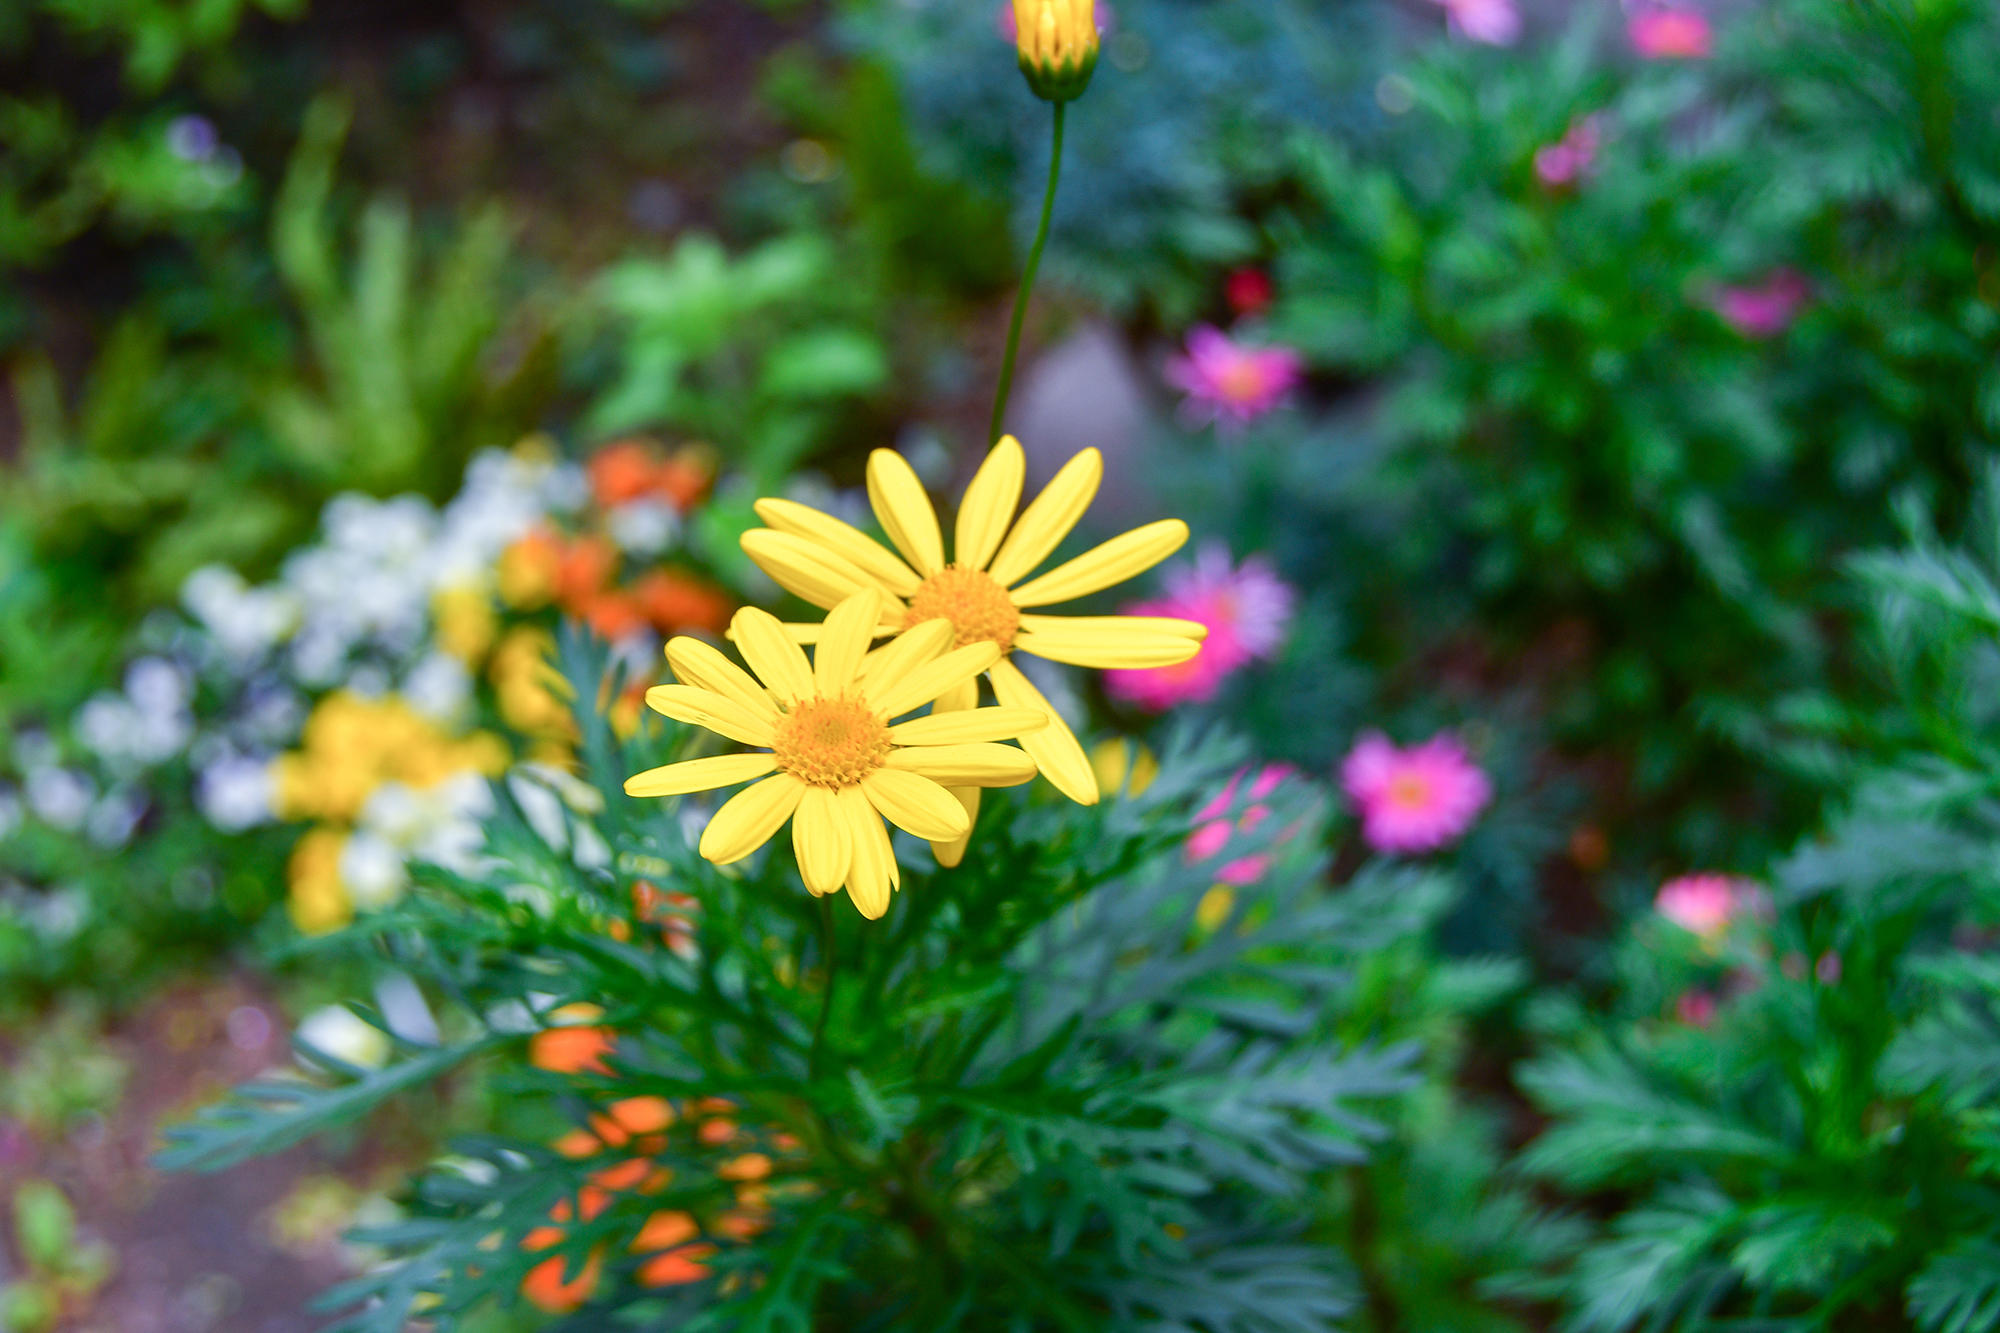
(1047,1089)
(1811,1146)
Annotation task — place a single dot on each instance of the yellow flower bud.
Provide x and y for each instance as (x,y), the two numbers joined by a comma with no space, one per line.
(1057,40)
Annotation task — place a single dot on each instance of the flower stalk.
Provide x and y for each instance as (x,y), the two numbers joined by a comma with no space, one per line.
(1028,279)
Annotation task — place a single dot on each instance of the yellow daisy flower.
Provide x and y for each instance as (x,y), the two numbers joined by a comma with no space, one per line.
(831,758)
(985,594)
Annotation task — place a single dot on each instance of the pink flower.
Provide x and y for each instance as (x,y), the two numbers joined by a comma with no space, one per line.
(1246,607)
(1494,22)
(1708,904)
(1664,33)
(1216,830)
(1229,382)
(1696,1008)
(1765,309)
(1570,158)
(1416,799)
(1248,291)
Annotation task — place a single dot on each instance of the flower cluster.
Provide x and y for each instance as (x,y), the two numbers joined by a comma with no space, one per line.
(359,691)
(830,756)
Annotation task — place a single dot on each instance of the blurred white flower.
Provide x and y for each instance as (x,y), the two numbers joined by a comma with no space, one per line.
(644,527)
(234,792)
(245,622)
(339,1032)
(373,871)
(104,725)
(111,820)
(439,687)
(156,685)
(60,797)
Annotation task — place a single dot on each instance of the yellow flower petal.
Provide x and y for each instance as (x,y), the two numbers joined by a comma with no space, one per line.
(802,566)
(871,874)
(823,841)
(697,663)
(1054,748)
(949,854)
(1115,561)
(954,727)
(892,697)
(747,820)
(1048,518)
(915,804)
(850,627)
(965,765)
(1106,649)
(691,775)
(923,642)
(718,712)
(905,511)
(777,661)
(988,505)
(844,539)
(1186,629)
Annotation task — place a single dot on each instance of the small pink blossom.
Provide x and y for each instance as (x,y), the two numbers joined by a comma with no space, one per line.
(1708,904)
(1416,799)
(1229,382)
(1215,829)
(1765,309)
(1249,291)
(1827,969)
(1661,32)
(1493,22)
(1247,609)
(1572,157)
(1696,1008)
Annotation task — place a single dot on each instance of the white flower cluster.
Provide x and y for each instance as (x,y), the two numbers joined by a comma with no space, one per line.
(401,824)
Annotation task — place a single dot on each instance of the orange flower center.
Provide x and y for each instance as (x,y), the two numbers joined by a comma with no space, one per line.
(1242,381)
(831,742)
(977,607)
(1409,792)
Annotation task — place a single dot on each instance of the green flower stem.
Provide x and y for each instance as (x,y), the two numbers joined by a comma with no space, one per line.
(826,997)
(1028,279)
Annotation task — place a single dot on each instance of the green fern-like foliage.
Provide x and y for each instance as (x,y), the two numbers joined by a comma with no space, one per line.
(1615,453)
(1050,1091)
(1812,1146)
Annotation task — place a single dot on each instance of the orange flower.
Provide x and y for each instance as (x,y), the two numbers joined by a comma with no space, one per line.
(529,569)
(716,1132)
(623,470)
(633,1174)
(546,1289)
(678,1267)
(613,615)
(633,1115)
(663,1231)
(571,1050)
(672,912)
(684,478)
(578,1143)
(750,1166)
(586,566)
(676,602)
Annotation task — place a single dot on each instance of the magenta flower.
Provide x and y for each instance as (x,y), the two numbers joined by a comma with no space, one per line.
(1696,1008)
(1416,799)
(1494,22)
(1572,157)
(1229,382)
(1660,32)
(1247,609)
(1215,830)
(1706,905)
(1765,309)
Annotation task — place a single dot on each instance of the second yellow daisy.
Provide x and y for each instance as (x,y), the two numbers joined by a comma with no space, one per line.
(832,759)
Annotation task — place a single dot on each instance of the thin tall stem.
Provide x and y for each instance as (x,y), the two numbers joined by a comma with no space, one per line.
(832,971)
(1028,279)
